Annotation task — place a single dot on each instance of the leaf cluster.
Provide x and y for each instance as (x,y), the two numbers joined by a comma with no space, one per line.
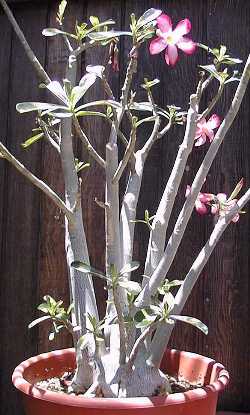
(54,311)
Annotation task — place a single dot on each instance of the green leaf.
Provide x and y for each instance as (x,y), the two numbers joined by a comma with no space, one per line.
(56,88)
(98,36)
(61,114)
(52,32)
(141,106)
(169,299)
(49,32)
(44,307)
(139,316)
(51,336)
(231,61)
(70,309)
(35,106)
(81,166)
(110,103)
(87,269)
(156,310)
(212,70)
(174,283)
(87,113)
(202,46)
(79,91)
(94,20)
(148,16)
(191,320)
(32,140)
(149,84)
(132,287)
(98,70)
(132,266)
(143,324)
(61,10)
(236,190)
(38,320)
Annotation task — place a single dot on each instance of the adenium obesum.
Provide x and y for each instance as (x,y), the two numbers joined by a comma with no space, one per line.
(120,355)
(217,205)
(205,129)
(171,40)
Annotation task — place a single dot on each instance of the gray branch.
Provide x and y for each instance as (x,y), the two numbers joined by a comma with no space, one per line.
(159,274)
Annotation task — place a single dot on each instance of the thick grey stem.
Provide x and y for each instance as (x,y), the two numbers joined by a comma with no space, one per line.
(81,288)
(160,223)
(163,332)
(129,205)
(184,216)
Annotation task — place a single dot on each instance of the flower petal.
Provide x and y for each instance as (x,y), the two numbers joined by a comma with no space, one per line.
(201,140)
(164,23)
(157,45)
(182,28)
(214,121)
(222,197)
(210,134)
(214,209)
(188,190)
(206,197)
(171,55)
(200,207)
(186,45)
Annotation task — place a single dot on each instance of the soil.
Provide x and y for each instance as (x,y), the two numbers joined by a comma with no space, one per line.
(61,384)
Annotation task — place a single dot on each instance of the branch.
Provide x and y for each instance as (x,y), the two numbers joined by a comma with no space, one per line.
(183,218)
(87,143)
(163,332)
(212,103)
(41,73)
(37,182)
(47,135)
(154,135)
(82,48)
(139,343)
(122,329)
(131,70)
(157,237)
(164,130)
(127,155)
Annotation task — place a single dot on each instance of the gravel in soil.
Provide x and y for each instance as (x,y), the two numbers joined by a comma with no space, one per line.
(61,384)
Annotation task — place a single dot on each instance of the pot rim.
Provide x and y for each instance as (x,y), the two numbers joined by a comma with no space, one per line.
(116,403)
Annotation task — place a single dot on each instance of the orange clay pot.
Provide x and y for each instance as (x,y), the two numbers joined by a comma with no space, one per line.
(190,366)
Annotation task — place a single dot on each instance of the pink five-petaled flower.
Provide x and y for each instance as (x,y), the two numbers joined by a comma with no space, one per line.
(202,201)
(205,129)
(172,39)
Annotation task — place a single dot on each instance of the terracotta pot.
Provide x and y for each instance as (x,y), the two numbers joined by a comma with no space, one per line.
(190,366)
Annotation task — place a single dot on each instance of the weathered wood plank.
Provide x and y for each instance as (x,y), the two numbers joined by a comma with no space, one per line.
(5,57)
(21,213)
(228,288)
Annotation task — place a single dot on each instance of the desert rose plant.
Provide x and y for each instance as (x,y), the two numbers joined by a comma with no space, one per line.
(120,355)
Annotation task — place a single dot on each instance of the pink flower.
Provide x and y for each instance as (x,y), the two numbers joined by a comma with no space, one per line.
(202,201)
(219,204)
(172,39)
(205,129)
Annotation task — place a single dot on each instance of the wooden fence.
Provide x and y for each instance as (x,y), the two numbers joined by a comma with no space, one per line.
(31,229)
